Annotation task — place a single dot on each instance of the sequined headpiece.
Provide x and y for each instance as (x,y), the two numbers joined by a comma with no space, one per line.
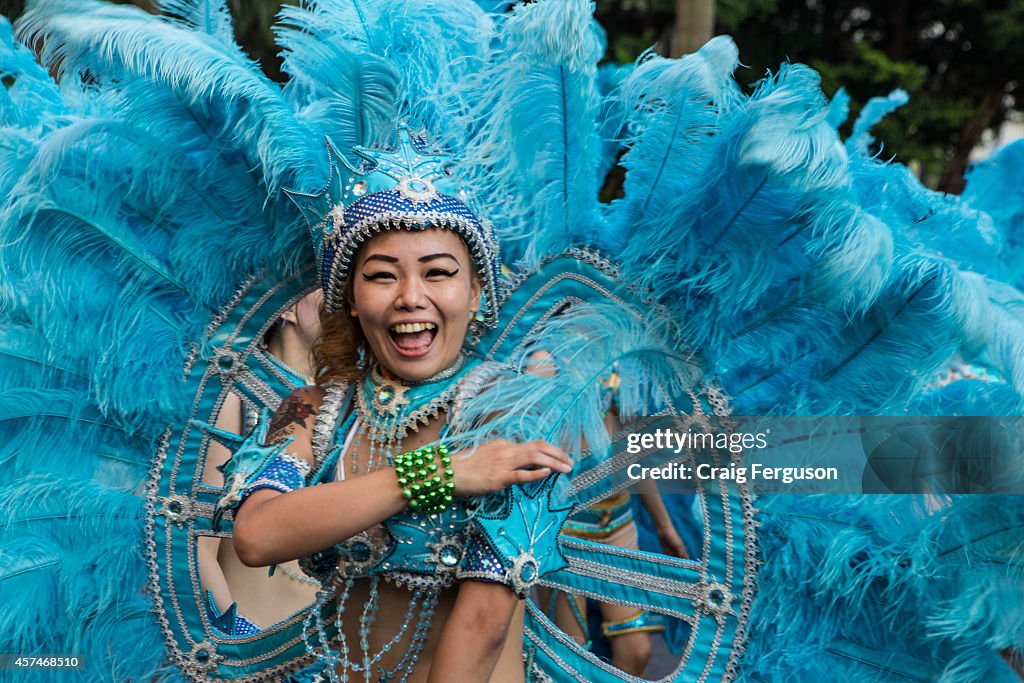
(392,189)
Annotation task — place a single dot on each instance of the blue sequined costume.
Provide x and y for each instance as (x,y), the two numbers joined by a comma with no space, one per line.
(415,549)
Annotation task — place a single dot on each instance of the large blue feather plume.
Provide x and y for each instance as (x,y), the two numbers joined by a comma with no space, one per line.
(83,35)
(537,142)
(993,186)
(69,549)
(670,109)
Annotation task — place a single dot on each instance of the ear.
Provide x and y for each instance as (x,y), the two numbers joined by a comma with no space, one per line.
(474,290)
(350,299)
(291,315)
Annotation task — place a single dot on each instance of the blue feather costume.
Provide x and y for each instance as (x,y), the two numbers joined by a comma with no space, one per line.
(146,242)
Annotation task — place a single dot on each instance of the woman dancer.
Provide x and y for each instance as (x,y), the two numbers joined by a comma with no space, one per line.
(393,330)
(244,599)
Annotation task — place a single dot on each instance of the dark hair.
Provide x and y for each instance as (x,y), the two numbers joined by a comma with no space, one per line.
(340,352)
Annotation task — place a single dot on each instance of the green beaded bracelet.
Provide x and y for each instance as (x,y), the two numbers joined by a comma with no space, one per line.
(428,487)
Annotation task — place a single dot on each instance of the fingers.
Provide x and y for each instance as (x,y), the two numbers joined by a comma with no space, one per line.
(526,476)
(673,545)
(543,454)
(499,463)
(550,449)
(534,459)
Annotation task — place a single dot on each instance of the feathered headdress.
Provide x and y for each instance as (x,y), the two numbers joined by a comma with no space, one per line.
(392,189)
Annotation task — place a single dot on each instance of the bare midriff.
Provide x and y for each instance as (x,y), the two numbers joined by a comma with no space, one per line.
(394,602)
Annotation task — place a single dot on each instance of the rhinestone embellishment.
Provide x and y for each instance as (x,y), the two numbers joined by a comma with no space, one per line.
(417,189)
(389,398)
(525,572)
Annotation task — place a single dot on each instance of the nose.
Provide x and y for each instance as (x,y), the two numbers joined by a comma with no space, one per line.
(411,295)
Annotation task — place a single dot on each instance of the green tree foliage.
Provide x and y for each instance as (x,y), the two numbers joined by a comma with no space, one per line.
(958,59)
(254,20)
(634,26)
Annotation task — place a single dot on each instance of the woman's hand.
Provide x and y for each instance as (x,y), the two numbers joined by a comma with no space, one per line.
(671,543)
(668,537)
(499,463)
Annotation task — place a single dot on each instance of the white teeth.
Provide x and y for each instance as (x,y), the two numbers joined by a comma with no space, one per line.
(409,328)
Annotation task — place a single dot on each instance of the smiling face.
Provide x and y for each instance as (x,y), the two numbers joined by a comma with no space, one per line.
(414,294)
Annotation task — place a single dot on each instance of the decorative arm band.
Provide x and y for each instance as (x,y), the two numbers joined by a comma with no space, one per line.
(427,478)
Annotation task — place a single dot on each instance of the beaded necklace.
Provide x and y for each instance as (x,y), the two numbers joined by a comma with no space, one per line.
(389,408)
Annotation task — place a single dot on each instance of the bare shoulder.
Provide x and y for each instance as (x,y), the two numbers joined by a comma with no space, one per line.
(296,415)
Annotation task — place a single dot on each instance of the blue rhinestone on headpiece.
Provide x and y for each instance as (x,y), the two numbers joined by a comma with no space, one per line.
(391,189)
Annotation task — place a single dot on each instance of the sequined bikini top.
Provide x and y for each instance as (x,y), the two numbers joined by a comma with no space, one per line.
(410,549)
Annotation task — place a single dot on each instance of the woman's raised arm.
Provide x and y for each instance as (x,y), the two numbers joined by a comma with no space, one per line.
(273,527)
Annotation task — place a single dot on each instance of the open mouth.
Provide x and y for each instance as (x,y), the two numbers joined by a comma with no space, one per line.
(413,339)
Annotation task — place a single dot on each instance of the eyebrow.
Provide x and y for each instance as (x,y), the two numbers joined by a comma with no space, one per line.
(381,257)
(421,259)
(433,257)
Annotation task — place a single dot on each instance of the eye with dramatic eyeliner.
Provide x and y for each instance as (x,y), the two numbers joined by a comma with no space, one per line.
(440,271)
(377,276)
